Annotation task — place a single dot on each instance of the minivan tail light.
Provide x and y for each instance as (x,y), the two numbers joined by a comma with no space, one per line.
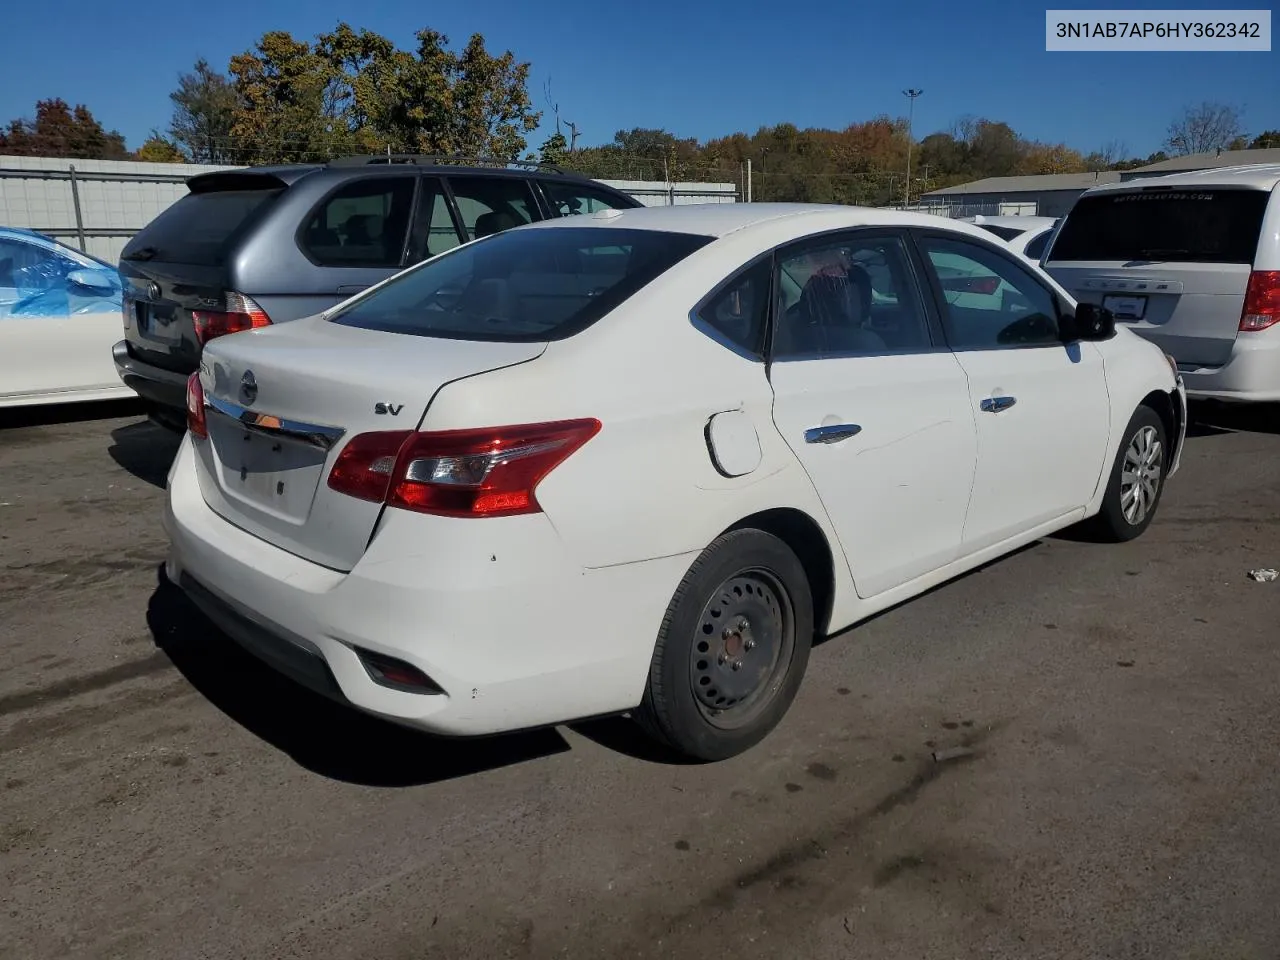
(241,314)
(195,407)
(1261,301)
(491,472)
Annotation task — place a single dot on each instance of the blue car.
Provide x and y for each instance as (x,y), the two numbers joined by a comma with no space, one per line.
(60,313)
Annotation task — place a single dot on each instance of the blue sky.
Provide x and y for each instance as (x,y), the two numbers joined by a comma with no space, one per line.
(699,70)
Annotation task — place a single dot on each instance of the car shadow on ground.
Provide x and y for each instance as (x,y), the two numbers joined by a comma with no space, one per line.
(55,414)
(146,450)
(1209,419)
(325,737)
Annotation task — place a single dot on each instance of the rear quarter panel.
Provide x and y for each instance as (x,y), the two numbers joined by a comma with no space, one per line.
(646,485)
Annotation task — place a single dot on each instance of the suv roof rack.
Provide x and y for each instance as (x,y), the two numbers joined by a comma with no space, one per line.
(435,160)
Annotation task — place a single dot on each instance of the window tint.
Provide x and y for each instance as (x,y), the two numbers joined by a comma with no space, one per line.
(990,301)
(200,227)
(739,312)
(1197,226)
(490,205)
(848,298)
(362,224)
(433,229)
(1035,249)
(521,285)
(568,199)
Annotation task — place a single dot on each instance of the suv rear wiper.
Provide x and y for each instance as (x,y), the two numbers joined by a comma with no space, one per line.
(144,253)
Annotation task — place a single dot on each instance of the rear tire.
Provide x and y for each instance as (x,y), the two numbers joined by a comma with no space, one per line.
(1136,484)
(732,649)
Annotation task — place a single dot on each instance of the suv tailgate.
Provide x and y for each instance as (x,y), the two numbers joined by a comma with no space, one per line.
(1172,263)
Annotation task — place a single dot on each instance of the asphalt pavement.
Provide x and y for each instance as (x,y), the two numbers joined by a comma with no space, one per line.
(1114,711)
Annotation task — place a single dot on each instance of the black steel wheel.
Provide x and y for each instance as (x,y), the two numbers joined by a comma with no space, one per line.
(732,649)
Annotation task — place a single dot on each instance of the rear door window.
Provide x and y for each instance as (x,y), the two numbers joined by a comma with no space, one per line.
(569,199)
(490,205)
(521,286)
(1168,224)
(433,228)
(201,227)
(363,223)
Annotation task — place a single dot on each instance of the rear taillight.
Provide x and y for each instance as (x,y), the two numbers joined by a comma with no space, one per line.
(1261,301)
(458,473)
(241,314)
(195,407)
(985,285)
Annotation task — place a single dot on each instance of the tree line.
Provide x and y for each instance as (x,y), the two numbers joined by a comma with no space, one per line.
(354,91)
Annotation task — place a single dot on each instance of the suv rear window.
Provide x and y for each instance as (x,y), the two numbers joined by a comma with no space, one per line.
(199,227)
(522,285)
(1181,226)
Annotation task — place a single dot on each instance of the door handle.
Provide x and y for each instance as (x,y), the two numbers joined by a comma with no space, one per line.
(996,404)
(832,434)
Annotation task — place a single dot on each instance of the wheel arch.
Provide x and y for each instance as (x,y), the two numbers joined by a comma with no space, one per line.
(805,537)
(1170,414)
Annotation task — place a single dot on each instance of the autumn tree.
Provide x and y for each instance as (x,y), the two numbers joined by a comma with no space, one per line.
(203,114)
(1266,139)
(58,130)
(1204,129)
(158,149)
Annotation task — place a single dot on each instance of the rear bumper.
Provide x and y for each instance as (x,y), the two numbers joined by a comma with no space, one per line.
(493,612)
(154,384)
(1251,375)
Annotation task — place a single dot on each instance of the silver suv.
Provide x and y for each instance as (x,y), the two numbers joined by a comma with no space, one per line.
(263,245)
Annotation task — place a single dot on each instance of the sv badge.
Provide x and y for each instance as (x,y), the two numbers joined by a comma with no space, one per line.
(391,408)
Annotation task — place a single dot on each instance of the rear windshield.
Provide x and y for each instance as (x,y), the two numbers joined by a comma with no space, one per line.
(199,227)
(1191,226)
(522,285)
(1004,233)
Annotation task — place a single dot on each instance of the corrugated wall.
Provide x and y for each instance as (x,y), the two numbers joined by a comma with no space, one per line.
(117,198)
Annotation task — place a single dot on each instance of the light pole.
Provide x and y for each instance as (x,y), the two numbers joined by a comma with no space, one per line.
(911,114)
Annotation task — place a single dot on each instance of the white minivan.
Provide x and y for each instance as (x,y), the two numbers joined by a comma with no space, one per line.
(1190,261)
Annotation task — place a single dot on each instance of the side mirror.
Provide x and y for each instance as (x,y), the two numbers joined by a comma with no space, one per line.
(1090,322)
(91,280)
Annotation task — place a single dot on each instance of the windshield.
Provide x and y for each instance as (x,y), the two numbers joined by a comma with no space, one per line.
(1004,233)
(522,285)
(1189,226)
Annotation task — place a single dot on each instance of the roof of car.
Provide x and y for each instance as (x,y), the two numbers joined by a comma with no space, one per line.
(289,173)
(1263,176)
(722,219)
(1013,222)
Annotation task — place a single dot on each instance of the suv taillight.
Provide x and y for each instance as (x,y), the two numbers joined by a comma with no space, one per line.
(241,314)
(1261,301)
(458,473)
(195,407)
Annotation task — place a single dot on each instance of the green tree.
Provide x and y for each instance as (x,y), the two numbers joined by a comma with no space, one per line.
(491,107)
(204,107)
(1268,138)
(553,149)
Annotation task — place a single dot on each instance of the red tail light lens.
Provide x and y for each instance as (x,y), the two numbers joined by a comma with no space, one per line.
(987,285)
(1261,301)
(459,473)
(241,314)
(195,407)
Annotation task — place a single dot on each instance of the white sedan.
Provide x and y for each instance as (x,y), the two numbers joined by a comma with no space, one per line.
(614,463)
(59,316)
(1026,236)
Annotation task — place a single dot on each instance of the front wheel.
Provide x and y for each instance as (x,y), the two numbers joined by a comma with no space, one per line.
(732,648)
(1137,479)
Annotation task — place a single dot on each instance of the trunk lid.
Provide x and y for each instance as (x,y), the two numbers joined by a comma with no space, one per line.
(282,403)
(1172,263)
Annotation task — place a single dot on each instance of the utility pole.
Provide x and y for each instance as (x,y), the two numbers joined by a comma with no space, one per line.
(573,134)
(748,179)
(911,114)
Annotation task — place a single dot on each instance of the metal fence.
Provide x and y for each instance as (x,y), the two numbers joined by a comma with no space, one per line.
(958,207)
(98,205)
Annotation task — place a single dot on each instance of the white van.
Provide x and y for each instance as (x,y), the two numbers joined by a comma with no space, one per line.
(1190,261)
